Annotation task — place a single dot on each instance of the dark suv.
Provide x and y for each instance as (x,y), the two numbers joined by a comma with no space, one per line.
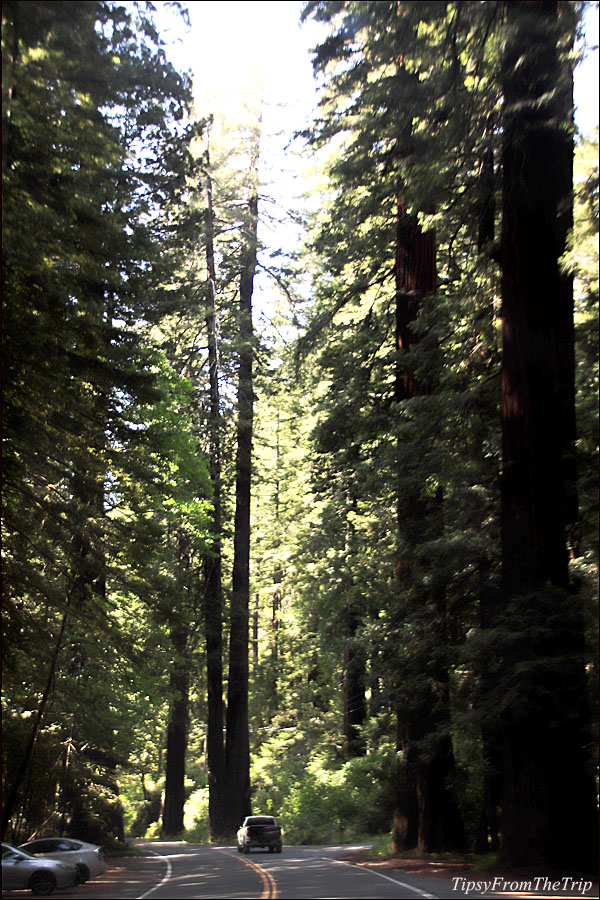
(259,831)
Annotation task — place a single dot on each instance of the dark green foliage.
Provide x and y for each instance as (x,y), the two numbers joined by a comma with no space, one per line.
(92,149)
(393,421)
(412,98)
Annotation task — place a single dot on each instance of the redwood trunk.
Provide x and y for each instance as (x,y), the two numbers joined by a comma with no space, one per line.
(177,734)
(548,800)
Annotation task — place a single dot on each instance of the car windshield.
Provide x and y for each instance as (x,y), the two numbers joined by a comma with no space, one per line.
(261,820)
(9,852)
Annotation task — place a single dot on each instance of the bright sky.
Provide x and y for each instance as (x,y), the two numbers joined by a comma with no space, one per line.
(233,42)
(235,45)
(232,46)
(586,76)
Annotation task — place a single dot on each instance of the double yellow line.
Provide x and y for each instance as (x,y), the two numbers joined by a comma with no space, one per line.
(269,885)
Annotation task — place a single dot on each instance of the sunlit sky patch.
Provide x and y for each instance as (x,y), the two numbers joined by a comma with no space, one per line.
(240,52)
(231,44)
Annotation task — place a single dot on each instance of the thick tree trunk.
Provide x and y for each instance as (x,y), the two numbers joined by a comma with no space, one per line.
(237,751)
(213,597)
(177,736)
(440,819)
(440,825)
(548,799)
(405,827)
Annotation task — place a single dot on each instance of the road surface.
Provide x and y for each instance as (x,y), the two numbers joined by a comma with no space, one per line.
(177,871)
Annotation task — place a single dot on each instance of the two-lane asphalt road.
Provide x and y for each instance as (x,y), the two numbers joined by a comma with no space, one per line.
(177,871)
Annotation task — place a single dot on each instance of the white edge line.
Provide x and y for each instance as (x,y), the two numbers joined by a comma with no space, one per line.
(165,878)
(403,884)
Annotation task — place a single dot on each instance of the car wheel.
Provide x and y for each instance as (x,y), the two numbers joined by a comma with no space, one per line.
(271,849)
(246,849)
(83,872)
(279,849)
(42,883)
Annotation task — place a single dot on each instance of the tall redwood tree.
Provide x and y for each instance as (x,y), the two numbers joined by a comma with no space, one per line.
(548,803)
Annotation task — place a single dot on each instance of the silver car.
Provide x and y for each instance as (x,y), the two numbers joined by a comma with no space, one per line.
(21,870)
(87,857)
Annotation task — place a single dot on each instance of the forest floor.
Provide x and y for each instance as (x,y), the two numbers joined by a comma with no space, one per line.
(451,866)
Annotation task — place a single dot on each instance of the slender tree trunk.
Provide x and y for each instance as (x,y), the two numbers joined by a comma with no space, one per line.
(486,191)
(12,794)
(213,602)
(237,752)
(255,635)
(273,682)
(355,707)
(549,814)
(276,597)
(488,827)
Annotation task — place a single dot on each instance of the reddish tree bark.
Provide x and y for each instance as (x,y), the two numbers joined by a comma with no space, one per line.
(548,799)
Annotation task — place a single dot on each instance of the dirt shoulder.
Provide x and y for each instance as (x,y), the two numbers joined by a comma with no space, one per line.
(449,867)
(432,867)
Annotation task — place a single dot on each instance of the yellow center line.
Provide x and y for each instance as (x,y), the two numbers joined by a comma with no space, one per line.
(269,884)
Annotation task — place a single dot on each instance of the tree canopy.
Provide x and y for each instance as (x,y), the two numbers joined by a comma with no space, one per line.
(340,568)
